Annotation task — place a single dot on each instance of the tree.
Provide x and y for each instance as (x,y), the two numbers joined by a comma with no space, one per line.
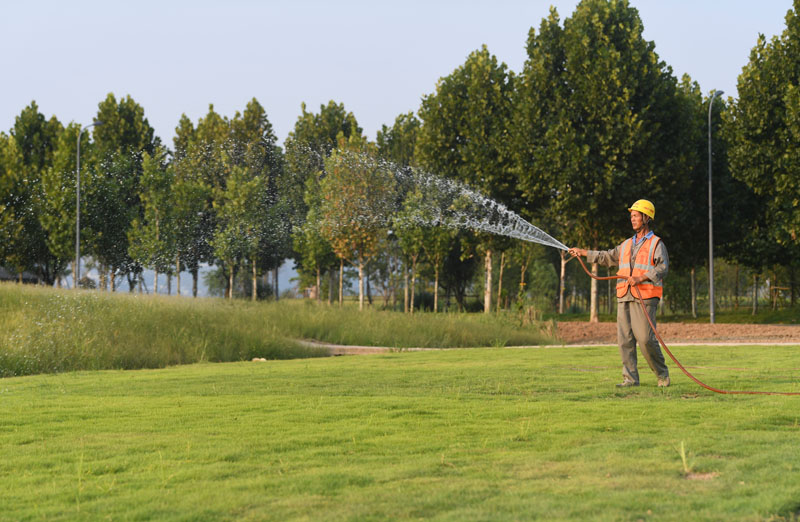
(765,129)
(313,138)
(359,195)
(112,183)
(29,152)
(57,212)
(192,203)
(152,238)
(595,123)
(11,187)
(314,250)
(398,142)
(254,146)
(408,228)
(239,209)
(464,135)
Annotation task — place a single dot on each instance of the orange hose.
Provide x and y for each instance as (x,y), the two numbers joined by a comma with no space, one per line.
(677,363)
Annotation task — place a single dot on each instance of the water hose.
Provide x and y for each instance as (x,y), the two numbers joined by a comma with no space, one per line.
(638,295)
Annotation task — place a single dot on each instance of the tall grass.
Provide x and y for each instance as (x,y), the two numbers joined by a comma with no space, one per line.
(43,330)
(309,320)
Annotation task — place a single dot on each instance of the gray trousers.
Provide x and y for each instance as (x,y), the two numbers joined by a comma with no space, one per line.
(632,327)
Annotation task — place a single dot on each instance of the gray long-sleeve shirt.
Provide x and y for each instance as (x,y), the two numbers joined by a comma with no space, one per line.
(611,258)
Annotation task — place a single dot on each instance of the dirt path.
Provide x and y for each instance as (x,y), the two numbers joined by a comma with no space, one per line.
(574,332)
(583,333)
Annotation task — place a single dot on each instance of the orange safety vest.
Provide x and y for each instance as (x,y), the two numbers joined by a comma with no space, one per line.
(639,266)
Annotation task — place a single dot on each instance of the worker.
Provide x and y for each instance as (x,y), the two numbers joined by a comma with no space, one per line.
(643,262)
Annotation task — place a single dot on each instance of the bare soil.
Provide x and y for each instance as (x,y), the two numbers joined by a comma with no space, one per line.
(580,332)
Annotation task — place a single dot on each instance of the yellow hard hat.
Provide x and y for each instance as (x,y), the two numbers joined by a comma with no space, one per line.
(645,207)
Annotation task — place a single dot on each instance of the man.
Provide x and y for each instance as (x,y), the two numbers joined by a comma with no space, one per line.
(643,261)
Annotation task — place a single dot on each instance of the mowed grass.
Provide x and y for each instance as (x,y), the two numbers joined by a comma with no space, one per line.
(43,330)
(478,434)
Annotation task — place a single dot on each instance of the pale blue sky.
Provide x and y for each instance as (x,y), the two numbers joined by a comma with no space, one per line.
(378,58)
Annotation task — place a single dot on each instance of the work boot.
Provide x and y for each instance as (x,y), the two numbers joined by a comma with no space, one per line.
(663,383)
(627,384)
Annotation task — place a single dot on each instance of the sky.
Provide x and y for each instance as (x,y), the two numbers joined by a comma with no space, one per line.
(379,58)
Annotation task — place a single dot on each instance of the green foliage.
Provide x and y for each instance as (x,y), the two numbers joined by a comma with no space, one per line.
(597,120)
(153,238)
(358,198)
(28,153)
(398,142)
(765,130)
(113,174)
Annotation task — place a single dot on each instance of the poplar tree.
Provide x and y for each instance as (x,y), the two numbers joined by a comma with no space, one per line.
(152,237)
(596,123)
(112,183)
(358,198)
(29,153)
(765,129)
(314,137)
(464,136)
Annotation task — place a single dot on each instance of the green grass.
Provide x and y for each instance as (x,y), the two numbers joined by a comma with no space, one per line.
(479,434)
(43,330)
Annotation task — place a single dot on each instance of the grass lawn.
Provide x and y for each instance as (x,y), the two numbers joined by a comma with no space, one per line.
(463,434)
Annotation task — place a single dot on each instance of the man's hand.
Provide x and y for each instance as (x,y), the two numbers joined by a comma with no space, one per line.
(575,252)
(635,280)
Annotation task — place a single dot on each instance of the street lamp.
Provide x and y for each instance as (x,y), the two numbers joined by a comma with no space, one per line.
(77,268)
(711,215)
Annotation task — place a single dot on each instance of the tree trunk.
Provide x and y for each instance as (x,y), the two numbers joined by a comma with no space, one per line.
(230,283)
(331,284)
(275,283)
(774,292)
(255,281)
(413,283)
(487,290)
(594,313)
(436,289)
(736,295)
(369,290)
(405,296)
(195,276)
(169,284)
(360,285)
(341,282)
(319,288)
(178,274)
(500,280)
(755,293)
(693,279)
(562,285)
(155,282)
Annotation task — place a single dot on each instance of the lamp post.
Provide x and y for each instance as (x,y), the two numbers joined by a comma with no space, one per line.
(711,215)
(77,268)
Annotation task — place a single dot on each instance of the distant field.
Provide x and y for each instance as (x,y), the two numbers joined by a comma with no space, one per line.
(43,330)
(479,434)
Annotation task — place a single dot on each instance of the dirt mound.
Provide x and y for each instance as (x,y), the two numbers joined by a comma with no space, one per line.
(580,332)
